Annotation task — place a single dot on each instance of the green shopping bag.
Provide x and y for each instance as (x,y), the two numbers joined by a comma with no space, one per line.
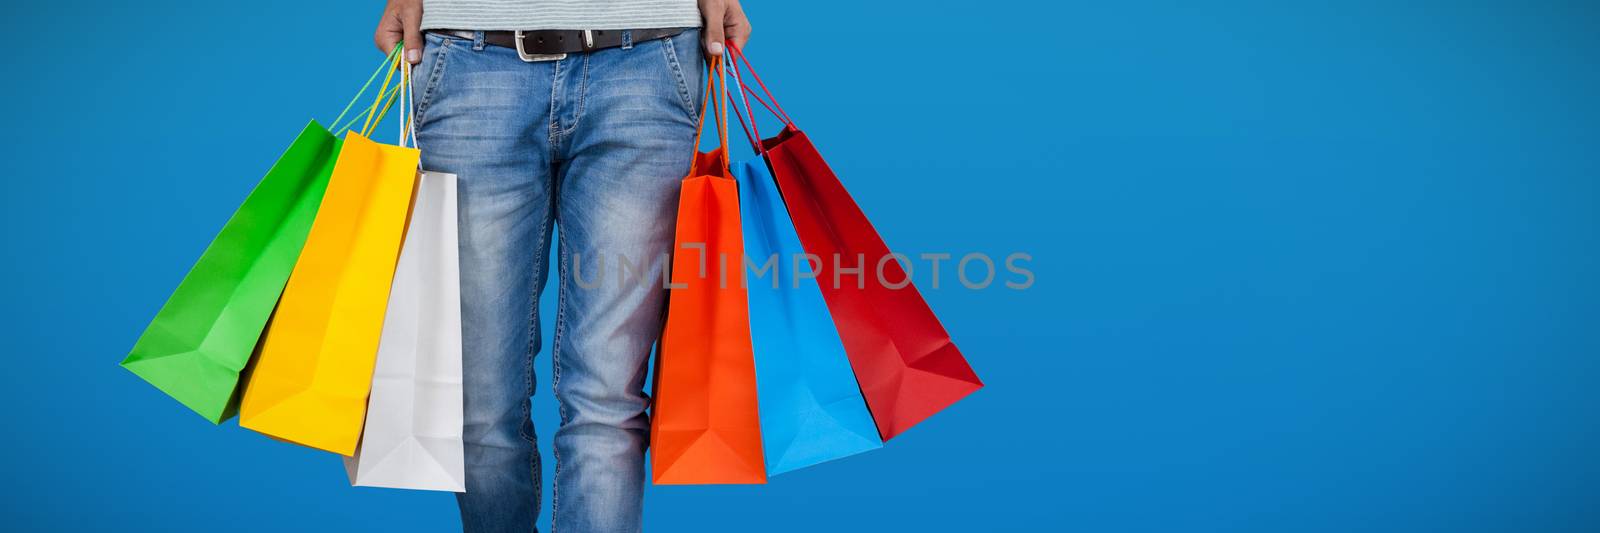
(201,339)
(199,343)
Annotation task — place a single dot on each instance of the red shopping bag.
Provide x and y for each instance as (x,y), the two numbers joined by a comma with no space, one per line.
(704,427)
(903,359)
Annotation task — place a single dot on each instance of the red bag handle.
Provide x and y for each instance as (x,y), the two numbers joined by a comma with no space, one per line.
(773,107)
(751,132)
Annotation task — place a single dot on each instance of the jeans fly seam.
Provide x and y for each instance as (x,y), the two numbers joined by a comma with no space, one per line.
(555,121)
(583,88)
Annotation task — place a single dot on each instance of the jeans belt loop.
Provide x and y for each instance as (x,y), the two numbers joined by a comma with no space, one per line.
(627,39)
(477,41)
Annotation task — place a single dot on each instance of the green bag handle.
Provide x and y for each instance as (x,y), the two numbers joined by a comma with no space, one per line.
(376,116)
(388,63)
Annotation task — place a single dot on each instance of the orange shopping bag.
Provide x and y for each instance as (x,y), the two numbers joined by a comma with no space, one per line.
(704,427)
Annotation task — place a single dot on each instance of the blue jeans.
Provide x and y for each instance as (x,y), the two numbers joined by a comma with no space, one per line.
(595,144)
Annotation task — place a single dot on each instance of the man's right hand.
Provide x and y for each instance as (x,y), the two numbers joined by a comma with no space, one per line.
(401,20)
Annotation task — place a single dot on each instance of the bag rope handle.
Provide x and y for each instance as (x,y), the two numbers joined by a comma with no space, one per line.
(774,108)
(755,137)
(381,65)
(716,95)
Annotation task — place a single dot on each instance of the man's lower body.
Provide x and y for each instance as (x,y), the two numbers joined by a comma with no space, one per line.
(594,144)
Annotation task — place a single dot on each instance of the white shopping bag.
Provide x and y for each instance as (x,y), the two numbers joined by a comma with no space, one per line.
(412,438)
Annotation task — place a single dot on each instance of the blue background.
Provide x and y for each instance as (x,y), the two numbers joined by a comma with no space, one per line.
(1300,267)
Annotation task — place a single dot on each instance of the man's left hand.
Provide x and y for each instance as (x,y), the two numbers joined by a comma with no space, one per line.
(724,18)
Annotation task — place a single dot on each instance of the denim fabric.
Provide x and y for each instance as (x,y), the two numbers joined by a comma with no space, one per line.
(596,145)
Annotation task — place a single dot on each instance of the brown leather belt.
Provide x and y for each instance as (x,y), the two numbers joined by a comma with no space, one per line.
(550,45)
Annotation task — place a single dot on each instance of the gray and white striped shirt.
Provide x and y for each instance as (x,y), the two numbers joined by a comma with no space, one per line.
(558,14)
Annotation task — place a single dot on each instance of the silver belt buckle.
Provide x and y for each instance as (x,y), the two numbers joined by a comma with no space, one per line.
(533,58)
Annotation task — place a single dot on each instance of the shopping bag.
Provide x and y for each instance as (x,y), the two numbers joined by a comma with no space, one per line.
(811,407)
(704,425)
(903,358)
(412,438)
(314,369)
(202,338)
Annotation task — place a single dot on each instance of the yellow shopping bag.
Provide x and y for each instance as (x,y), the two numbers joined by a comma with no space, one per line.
(314,370)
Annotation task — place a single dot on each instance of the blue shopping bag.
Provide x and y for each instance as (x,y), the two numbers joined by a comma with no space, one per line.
(811,407)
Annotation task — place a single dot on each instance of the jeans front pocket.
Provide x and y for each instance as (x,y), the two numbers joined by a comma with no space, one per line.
(686,44)
(430,70)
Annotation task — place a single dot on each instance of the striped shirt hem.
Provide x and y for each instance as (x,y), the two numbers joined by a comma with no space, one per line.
(490,15)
